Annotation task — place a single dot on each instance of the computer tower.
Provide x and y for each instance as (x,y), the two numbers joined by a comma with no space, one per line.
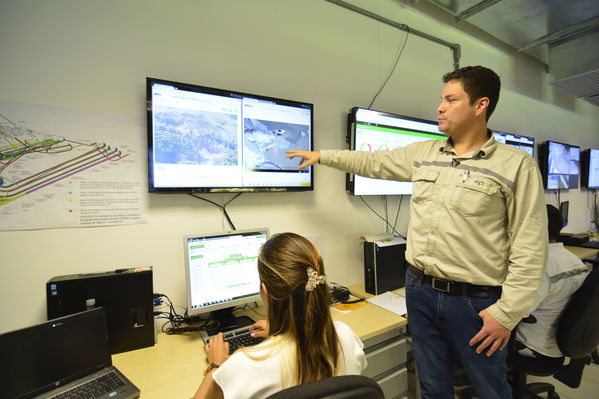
(126,295)
(384,266)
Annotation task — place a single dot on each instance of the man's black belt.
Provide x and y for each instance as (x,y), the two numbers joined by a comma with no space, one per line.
(454,287)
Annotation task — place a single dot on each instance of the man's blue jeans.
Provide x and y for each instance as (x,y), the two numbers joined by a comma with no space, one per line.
(441,325)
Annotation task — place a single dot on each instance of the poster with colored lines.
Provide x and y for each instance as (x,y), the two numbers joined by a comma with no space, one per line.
(63,167)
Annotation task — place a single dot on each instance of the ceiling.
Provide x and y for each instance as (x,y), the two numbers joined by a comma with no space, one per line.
(563,34)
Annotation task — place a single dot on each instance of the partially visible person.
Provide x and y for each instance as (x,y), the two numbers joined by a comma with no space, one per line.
(302,343)
(563,276)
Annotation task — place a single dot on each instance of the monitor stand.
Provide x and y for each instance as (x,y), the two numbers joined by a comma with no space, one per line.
(224,320)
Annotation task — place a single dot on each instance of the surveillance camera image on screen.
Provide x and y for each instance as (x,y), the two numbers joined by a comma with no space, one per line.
(563,166)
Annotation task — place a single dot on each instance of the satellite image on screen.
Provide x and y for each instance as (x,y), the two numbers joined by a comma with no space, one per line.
(195,137)
(265,143)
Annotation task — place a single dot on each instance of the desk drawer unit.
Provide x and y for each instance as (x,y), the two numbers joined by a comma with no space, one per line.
(395,384)
(387,356)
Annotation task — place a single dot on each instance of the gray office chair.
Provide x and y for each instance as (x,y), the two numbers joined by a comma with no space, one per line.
(341,387)
(577,337)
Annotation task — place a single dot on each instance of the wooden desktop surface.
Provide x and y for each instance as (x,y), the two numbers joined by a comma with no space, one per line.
(173,368)
(582,252)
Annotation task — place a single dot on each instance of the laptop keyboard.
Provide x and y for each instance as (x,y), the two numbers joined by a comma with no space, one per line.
(591,244)
(240,338)
(93,389)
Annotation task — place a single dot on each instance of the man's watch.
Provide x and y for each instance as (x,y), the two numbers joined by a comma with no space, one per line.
(211,367)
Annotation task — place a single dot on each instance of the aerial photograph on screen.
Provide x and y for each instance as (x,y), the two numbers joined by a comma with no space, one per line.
(265,143)
(194,137)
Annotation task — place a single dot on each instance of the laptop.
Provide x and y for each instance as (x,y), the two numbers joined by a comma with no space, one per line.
(53,358)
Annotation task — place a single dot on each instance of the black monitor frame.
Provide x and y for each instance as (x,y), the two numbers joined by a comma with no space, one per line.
(516,140)
(210,178)
(544,151)
(586,173)
(406,126)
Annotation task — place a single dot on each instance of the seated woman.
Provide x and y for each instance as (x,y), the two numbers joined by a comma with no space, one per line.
(303,344)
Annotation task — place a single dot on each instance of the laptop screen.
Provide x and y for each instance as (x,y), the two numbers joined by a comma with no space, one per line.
(43,357)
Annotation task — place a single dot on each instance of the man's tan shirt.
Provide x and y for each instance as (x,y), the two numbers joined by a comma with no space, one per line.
(478,218)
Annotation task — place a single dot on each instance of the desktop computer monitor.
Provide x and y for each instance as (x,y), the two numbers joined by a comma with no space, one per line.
(222,273)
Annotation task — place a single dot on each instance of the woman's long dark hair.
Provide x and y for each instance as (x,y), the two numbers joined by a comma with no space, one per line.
(301,315)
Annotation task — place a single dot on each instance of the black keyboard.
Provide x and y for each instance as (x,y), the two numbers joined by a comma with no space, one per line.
(240,338)
(591,244)
(93,389)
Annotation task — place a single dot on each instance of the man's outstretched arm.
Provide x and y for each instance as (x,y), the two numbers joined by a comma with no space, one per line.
(308,158)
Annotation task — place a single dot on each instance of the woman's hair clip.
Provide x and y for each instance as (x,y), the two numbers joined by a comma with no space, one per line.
(314,279)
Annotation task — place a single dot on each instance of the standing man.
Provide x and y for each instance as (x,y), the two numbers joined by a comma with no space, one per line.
(477,239)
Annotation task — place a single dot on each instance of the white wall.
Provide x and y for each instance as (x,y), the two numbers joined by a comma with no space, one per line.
(95,55)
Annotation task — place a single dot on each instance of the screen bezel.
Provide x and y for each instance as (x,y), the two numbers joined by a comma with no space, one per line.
(153,188)
(544,164)
(401,188)
(585,169)
(205,310)
(501,132)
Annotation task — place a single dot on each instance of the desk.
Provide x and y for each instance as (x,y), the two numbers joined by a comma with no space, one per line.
(582,252)
(173,368)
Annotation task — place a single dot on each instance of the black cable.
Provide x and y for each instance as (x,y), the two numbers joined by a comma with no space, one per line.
(386,211)
(225,211)
(222,207)
(559,203)
(205,199)
(594,210)
(178,323)
(394,66)
(253,309)
(382,218)
(397,215)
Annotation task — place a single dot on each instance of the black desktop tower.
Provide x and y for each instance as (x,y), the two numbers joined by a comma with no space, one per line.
(126,294)
(384,267)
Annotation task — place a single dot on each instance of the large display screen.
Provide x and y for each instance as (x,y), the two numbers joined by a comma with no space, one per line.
(590,169)
(371,130)
(560,165)
(525,143)
(202,139)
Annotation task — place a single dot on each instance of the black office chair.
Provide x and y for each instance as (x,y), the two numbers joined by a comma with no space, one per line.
(341,387)
(577,337)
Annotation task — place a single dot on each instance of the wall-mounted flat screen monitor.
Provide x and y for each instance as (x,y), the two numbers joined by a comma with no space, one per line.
(525,143)
(203,139)
(221,272)
(560,165)
(370,130)
(589,177)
